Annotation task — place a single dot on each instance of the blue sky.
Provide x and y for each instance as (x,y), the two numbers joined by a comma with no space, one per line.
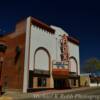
(79,18)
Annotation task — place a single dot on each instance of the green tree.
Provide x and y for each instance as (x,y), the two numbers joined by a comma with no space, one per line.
(92,65)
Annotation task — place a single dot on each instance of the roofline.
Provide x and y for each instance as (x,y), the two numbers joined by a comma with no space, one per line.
(42,25)
(73,40)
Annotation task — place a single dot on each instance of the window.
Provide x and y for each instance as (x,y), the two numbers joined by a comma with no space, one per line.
(41,82)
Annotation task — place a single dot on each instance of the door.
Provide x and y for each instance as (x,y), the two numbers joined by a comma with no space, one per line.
(59,84)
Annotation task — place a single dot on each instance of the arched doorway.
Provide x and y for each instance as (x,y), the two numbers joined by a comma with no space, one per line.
(42,59)
(41,72)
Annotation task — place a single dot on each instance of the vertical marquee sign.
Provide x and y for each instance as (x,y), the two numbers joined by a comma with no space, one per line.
(64,49)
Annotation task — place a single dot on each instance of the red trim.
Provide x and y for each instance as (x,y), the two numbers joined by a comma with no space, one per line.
(62,72)
(42,25)
(71,39)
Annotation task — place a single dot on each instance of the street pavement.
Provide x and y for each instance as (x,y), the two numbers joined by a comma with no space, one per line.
(85,93)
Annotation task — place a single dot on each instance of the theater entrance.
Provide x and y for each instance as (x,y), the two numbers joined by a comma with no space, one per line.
(61,83)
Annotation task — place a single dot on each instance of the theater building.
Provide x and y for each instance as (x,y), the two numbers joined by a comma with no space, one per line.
(37,56)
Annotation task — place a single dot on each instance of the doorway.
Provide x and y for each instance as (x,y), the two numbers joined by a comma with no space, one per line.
(59,84)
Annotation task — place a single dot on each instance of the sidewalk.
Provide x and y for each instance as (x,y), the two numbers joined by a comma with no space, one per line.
(32,96)
(63,91)
(6,98)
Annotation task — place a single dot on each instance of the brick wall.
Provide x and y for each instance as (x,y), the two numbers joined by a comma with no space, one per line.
(13,65)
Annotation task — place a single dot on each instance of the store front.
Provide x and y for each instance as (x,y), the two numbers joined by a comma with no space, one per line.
(60,75)
(39,79)
(61,83)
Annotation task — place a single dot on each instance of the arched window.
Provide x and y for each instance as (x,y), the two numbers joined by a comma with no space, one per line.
(42,59)
(73,65)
